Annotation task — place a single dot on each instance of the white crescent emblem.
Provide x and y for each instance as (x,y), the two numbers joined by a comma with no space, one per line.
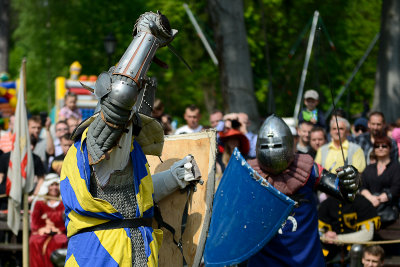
(294,223)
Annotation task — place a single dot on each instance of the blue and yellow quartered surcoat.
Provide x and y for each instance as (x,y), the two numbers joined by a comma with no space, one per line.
(104,247)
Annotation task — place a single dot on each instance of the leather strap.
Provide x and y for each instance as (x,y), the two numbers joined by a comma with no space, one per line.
(162,223)
(123,223)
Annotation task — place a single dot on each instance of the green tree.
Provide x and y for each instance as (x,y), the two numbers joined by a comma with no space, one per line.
(4,33)
(387,90)
(351,26)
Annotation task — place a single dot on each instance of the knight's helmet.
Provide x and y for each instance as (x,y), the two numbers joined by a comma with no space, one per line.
(275,148)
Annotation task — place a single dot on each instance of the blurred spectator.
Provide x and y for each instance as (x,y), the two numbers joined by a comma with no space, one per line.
(6,138)
(61,129)
(341,113)
(231,138)
(389,129)
(396,137)
(45,145)
(376,123)
(192,117)
(39,172)
(65,144)
(70,109)
(381,182)
(360,126)
(164,119)
(47,226)
(372,157)
(330,155)
(217,120)
(373,256)
(72,124)
(295,135)
(317,139)
(346,222)
(310,112)
(303,131)
(252,137)
(240,121)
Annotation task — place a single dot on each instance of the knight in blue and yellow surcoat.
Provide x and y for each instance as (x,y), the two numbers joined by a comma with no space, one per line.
(106,186)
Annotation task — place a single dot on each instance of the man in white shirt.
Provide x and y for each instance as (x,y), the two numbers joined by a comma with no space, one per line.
(192,117)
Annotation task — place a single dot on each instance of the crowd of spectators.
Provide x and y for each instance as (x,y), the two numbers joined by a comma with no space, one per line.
(369,144)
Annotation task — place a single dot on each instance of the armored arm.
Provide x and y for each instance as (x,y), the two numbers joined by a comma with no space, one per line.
(119,88)
(343,186)
(179,175)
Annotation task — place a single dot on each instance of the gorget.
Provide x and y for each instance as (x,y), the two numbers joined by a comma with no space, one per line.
(293,178)
(120,193)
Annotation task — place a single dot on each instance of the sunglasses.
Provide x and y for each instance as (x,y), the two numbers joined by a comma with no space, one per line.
(381,146)
(360,128)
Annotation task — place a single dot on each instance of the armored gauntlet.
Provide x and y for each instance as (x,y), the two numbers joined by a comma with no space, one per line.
(349,180)
(342,186)
(179,175)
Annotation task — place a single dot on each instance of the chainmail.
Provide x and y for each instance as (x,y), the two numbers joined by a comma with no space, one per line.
(120,193)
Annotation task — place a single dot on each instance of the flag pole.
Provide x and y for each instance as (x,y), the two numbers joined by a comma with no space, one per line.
(200,34)
(25,229)
(25,233)
(305,66)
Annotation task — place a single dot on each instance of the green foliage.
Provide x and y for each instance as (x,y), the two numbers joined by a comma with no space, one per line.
(351,26)
(52,34)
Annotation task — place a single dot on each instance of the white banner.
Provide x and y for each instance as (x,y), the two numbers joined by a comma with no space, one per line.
(20,170)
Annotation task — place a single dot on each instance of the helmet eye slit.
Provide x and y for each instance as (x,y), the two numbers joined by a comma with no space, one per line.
(266,146)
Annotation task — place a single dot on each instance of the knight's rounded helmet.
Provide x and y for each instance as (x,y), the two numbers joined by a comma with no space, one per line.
(275,145)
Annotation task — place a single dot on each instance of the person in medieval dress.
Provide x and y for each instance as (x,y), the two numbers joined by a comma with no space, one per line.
(47,225)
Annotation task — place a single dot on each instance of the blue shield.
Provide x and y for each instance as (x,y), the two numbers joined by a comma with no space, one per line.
(247,213)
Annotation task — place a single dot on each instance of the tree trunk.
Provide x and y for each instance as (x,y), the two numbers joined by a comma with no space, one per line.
(4,34)
(234,58)
(210,97)
(387,86)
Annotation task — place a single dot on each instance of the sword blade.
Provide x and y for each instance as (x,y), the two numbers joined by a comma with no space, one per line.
(173,50)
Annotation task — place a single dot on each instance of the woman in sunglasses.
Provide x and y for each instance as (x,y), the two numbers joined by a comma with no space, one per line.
(381,182)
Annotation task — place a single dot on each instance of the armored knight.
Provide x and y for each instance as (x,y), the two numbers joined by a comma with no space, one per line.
(296,175)
(106,185)
(272,225)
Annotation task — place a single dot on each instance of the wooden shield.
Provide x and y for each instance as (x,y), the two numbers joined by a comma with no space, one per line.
(203,147)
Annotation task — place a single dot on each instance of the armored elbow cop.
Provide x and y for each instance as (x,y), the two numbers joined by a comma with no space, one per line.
(119,88)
